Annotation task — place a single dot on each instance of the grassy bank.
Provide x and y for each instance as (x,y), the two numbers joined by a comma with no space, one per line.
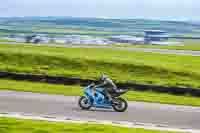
(11,125)
(122,66)
(77,91)
(40,87)
(6,40)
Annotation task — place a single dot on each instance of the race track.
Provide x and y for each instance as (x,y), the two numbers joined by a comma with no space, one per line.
(61,106)
(148,50)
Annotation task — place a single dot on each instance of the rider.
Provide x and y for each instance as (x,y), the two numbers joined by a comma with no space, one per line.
(108,85)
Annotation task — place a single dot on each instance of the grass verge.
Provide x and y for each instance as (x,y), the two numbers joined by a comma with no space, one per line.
(6,40)
(11,125)
(77,91)
(122,66)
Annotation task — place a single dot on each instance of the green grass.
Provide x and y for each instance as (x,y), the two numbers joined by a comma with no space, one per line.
(11,125)
(122,66)
(154,97)
(6,40)
(72,31)
(78,91)
(26,86)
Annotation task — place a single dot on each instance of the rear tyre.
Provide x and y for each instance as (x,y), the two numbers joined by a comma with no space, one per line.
(84,103)
(120,105)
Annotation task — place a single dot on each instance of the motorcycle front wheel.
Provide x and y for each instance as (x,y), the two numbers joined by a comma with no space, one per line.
(84,103)
(120,105)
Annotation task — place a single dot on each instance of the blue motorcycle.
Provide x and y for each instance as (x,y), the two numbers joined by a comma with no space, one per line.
(98,99)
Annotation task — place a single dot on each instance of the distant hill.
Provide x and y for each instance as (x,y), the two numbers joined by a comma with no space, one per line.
(95,26)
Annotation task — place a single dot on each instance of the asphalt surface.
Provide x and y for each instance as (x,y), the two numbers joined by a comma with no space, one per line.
(149,50)
(62,106)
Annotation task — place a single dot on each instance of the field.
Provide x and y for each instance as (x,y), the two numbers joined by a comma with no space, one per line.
(122,66)
(10,125)
(78,91)
(5,40)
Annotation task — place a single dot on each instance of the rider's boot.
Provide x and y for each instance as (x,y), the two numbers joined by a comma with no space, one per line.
(110,99)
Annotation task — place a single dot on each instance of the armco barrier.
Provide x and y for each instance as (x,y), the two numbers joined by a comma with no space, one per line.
(84,82)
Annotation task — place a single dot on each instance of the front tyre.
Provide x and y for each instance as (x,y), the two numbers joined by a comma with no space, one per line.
(120,105)
(84,103)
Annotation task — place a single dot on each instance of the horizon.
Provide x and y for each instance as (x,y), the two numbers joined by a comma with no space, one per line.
(77,17)
(178,10)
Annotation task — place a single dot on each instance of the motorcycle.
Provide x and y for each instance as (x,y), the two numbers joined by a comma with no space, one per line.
(98,99)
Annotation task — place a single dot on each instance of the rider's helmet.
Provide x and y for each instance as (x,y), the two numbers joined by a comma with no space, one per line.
(103,77)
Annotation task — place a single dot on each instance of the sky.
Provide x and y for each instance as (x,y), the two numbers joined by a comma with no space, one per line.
(144,9)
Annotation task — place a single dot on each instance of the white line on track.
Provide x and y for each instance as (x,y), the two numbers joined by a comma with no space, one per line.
(113,123)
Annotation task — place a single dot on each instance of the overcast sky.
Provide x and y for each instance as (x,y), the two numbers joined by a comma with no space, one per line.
(150,9)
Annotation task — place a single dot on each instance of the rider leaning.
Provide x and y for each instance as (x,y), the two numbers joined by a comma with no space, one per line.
(108,85)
